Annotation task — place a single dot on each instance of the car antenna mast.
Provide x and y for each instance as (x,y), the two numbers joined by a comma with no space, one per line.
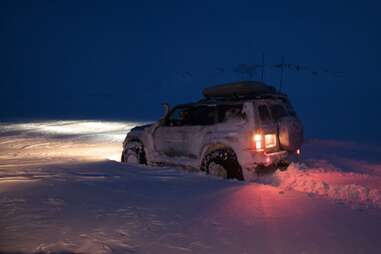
(281,74)
(263,66)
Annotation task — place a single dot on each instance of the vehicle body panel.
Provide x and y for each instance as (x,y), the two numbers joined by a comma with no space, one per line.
(187,144)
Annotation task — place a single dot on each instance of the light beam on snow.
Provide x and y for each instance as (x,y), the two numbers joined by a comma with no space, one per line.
(110,130)
(95,139)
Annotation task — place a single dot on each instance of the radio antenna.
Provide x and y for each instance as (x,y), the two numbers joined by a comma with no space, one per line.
(281,74)
(263,66)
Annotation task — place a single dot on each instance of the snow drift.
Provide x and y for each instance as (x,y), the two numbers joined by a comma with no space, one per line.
(60,192)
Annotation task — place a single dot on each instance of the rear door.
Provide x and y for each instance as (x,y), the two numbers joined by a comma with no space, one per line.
(276,116)
(290,129)
(266,122)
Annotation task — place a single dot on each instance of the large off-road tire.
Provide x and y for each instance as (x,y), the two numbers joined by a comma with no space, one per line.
(222,163)
(134,153)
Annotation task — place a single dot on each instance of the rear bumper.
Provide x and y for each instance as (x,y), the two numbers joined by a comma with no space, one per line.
(253,160)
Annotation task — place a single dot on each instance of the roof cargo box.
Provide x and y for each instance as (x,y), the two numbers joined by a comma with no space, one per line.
(238,89)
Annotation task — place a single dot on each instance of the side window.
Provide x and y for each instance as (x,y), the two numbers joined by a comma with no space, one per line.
(185,116)
(202,115)
(178,117)
(264,113)
(230,112)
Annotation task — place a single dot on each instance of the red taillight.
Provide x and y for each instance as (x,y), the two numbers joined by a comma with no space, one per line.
(258,141)
(264,141)
(298,152)
(270,140)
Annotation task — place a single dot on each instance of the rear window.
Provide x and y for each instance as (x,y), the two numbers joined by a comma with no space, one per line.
(278,111)
(264,113)
(274,112)
(230,112)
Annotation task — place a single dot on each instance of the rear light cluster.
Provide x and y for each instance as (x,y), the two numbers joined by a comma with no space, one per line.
(264,141)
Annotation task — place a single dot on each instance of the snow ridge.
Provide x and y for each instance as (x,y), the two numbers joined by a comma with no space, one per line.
(299,178)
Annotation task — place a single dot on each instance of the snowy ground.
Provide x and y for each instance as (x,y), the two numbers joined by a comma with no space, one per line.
(62,190)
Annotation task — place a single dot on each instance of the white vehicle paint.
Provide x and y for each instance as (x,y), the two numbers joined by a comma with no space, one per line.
(189,132)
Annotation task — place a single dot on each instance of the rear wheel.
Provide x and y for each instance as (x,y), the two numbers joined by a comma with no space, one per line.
(283,165)
(222,163)
(134,153)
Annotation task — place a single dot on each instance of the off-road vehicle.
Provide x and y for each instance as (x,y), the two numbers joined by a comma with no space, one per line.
(238,130)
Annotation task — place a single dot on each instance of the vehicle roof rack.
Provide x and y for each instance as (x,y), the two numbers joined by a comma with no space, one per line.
(241,90)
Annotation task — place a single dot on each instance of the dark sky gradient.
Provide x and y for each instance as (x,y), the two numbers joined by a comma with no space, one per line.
(121,59)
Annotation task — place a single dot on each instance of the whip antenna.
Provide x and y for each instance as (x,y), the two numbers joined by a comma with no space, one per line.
(281,74)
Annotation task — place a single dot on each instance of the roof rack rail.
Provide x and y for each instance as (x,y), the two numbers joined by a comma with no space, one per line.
(239,91)
(241,98)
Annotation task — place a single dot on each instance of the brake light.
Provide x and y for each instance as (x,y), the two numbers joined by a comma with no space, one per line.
(264,141)
(257,138)
(270,140)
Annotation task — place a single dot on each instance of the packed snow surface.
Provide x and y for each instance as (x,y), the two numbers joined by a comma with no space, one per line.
(63,190)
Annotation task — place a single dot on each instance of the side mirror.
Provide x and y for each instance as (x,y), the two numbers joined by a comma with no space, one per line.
(166,109)
(162,120)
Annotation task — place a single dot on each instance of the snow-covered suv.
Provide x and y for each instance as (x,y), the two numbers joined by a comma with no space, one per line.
(237,130)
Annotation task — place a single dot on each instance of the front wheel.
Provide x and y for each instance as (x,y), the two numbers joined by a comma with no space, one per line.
(222,163)
(134,153)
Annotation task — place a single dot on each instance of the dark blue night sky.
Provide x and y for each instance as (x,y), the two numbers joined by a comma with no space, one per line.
(121,59)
